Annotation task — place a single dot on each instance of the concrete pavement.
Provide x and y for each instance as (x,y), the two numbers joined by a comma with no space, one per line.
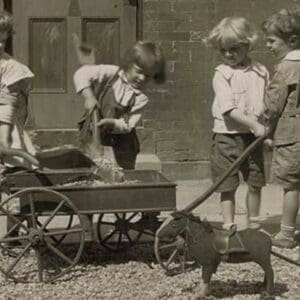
(271,205)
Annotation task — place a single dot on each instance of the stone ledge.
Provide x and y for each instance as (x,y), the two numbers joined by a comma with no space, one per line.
(148,162)
(185,170)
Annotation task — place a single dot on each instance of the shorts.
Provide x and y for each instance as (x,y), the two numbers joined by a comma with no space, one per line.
(126,149)
(226,148)
(285,167)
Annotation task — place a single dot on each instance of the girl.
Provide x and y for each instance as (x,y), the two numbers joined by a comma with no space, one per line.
(118,95)
(239,85)
(15,83)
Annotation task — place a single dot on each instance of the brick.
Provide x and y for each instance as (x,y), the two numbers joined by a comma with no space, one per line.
(151,35)
(180,109)
(166,155)
(166,134)
(164,145)
(174,36)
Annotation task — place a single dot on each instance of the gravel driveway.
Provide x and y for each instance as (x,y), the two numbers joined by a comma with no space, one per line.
(135,274)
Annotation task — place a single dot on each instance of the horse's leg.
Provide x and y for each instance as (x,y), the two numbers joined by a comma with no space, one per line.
(269,277)
(207,271)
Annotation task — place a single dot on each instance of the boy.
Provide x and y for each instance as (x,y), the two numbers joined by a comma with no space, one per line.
(282,101)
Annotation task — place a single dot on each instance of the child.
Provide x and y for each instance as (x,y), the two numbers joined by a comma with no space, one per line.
(15,83)
(118,95)
(282,33)
(239,86)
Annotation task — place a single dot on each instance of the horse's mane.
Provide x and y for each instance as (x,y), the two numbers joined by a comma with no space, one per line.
(193,218)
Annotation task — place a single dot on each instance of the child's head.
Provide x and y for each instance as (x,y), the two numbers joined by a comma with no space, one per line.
(282,32)
(233,37)
(6,29)
(145,60)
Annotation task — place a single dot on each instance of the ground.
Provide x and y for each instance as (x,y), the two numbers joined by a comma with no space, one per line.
(135,274)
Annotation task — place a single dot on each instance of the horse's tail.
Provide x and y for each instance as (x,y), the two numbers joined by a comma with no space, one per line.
(289,260)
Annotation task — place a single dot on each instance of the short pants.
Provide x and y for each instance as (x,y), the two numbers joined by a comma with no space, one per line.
(226,148)
(285,167)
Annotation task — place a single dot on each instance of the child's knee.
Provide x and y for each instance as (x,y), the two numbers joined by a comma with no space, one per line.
(4,142)
(254,189)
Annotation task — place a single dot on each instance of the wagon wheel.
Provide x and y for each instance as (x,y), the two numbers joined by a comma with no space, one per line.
(10,248)
(119,231)
(172,255)
(57,240)
(40,257)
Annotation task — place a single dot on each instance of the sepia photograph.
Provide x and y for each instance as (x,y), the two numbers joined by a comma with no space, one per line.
(148,149)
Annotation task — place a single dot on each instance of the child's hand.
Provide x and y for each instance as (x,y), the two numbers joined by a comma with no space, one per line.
(106,124)
(269,144)
(258,129)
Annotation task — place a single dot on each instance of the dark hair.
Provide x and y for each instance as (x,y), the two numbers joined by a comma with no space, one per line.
(6,22)
(149,57)
(283,24)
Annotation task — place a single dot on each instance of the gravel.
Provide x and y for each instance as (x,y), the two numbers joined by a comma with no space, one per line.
(135,274)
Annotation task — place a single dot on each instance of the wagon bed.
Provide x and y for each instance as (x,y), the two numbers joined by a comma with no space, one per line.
(146,190)
(38,199)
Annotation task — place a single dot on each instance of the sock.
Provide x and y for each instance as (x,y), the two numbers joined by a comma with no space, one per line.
(287,231)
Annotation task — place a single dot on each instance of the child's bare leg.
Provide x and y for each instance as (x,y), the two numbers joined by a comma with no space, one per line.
(290,208)
(228,208)
(253,199)
(285,238)
(5,135)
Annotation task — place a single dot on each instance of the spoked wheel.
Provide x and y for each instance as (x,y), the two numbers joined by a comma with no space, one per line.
(65,222)
(40,256)
(119,231)
(172,255)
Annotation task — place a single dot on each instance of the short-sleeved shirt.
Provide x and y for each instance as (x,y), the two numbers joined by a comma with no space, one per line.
(123,92)
(15,83)
(238,88)
(281,100)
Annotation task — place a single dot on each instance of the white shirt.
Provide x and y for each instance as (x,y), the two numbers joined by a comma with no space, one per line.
(241,88)
(123,92)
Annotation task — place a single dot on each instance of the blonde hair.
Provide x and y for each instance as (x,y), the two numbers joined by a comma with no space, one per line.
(231,30)
(6,22)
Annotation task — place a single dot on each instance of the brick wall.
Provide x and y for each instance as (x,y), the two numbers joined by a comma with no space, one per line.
(179,118)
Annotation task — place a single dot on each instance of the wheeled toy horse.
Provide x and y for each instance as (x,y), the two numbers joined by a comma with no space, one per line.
(185,237)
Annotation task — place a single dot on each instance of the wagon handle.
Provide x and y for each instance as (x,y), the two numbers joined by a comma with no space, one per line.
(237,163)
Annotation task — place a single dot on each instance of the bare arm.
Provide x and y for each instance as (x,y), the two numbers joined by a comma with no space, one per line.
(248,121)
(90,101)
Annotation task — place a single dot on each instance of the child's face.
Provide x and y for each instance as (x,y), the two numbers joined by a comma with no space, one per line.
(235,54)
(136,77)
(3,38)
(277,46)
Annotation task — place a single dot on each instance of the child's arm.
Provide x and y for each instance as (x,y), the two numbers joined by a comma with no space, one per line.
(228,107)
(255,127)
(120,125)
(90,101)
(275,97)
(129,121)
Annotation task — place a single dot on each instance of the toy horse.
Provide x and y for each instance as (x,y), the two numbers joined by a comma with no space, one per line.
(208,246)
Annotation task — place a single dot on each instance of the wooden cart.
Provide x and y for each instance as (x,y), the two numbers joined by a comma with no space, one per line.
(38,202)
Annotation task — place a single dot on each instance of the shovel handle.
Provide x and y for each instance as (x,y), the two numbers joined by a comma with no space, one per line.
(95,128)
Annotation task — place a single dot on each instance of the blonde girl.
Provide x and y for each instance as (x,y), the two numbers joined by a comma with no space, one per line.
(239,85)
